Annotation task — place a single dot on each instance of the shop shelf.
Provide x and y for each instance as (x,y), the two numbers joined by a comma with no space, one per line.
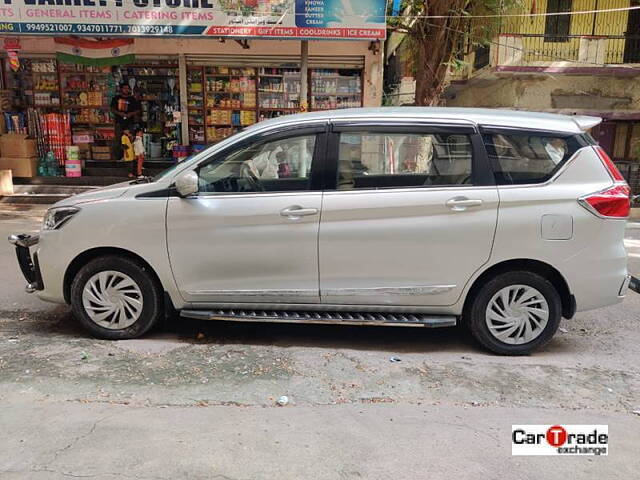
(91,74)
(77,90)
(226,75)
(83,106)
(231,108)
(317,94)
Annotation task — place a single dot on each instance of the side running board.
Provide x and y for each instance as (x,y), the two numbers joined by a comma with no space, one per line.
(339,318)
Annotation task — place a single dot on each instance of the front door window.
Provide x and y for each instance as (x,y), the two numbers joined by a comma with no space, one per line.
(281,165)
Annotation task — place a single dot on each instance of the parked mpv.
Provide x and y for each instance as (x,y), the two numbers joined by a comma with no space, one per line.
(503,221)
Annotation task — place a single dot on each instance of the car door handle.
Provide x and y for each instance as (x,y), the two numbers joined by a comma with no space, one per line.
(459,204)
(296,211)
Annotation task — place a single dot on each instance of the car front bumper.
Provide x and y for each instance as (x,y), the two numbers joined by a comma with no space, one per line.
(28,263)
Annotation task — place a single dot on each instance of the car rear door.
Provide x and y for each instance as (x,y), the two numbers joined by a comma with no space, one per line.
(411,216)
(251,233)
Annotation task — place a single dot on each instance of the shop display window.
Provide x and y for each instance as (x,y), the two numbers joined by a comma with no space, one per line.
(86,91)
(335,88)
(155,84)
(230,100)
(195,104)
(279,91)
(35,84)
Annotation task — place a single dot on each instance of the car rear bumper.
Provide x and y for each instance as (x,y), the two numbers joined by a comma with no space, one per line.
(28,263)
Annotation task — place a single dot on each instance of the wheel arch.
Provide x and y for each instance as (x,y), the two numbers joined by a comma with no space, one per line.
(529,265)
(83,258)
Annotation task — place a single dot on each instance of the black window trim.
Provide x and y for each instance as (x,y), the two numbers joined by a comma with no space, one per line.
(320,130)
(489,129)
(481,173)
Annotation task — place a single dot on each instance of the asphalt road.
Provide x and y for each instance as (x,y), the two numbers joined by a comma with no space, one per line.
(198,399)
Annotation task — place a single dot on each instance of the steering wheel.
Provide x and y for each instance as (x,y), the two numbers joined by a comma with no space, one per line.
(252,180)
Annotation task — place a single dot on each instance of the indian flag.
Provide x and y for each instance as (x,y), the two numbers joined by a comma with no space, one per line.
(117,51)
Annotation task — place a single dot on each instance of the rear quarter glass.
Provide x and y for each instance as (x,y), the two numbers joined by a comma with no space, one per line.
(519,157)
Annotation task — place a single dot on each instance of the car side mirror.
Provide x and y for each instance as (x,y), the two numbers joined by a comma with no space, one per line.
(187,184)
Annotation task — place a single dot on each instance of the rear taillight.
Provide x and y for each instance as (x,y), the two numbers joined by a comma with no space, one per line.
(609,165)
(613,202)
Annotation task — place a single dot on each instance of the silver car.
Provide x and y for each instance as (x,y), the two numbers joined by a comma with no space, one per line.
(423,217)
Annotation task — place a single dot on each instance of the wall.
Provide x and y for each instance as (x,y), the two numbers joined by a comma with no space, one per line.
(608,96)
(372,94)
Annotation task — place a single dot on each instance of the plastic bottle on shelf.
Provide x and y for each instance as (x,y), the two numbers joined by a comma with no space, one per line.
(51,165)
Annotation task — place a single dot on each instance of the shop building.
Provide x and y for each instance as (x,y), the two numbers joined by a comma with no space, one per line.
(193,90)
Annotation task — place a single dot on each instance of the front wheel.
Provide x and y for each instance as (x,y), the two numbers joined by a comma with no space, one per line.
(116,298)
(515,313)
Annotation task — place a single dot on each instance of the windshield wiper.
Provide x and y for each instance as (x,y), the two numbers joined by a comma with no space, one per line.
(144,179)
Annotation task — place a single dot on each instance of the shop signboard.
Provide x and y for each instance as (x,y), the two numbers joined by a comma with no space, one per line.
(312,19)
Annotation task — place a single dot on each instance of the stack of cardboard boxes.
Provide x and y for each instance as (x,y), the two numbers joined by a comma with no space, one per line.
(100,152)
(19,154)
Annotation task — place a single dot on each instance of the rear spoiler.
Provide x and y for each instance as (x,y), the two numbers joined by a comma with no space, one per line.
(585,122)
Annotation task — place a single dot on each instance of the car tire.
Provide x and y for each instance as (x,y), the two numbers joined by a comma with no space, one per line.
(122,286)
(514,313)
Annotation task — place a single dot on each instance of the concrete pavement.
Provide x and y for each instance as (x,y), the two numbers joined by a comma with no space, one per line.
(386,441)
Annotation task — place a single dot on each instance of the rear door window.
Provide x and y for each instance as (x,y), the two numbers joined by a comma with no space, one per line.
(525,158)
(374,160)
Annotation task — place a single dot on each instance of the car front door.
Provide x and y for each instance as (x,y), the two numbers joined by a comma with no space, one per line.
(412,215)
(251,233)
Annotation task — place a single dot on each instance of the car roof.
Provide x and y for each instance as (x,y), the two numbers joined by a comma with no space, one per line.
(480,116)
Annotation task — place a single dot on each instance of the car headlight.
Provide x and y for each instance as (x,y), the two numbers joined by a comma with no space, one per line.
(57,217)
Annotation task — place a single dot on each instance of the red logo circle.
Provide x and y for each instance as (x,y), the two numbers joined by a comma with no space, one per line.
(556,436)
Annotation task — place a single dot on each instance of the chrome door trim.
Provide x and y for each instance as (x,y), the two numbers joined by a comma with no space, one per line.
(408,290)
(452,188)
(275,294)
(214,195)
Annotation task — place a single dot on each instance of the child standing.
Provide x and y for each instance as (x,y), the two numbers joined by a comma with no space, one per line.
(127,149)
(138,150)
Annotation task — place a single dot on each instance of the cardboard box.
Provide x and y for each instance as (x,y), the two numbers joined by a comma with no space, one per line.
(100,149)
(17,145)
(101,156)
(20,166)
(6,183)
(82,139)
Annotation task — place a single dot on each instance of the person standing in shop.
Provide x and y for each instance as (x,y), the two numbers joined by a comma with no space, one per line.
(128,153)
(138,150)
(125,109)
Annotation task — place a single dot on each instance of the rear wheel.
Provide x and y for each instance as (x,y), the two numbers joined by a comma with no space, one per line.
(116,298)
(515,313)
